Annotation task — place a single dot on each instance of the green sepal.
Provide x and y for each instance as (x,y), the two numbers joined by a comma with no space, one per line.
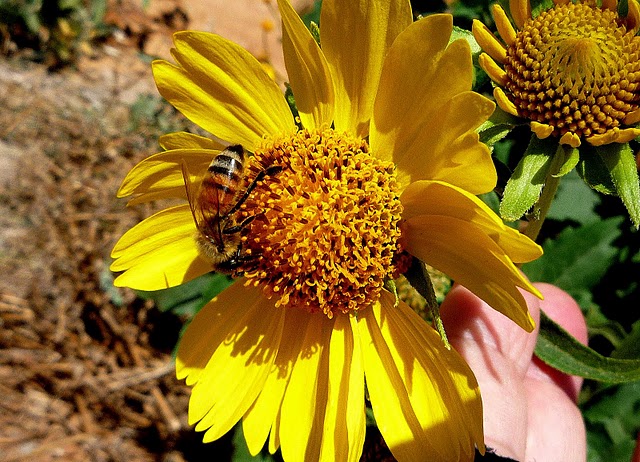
(556,347)
(594,172)
(390,285)
(315,32)
(497,127)
(419,278)
(525,185)
(571,158)
(291,101)
(621,164)
(538,6)
(623,8)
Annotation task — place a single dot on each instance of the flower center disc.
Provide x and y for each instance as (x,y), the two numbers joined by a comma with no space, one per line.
(575,67)
(326,228)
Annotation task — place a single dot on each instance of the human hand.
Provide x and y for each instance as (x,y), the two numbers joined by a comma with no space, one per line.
(530,411)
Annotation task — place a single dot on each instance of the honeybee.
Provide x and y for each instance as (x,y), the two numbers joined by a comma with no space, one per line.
(214,202)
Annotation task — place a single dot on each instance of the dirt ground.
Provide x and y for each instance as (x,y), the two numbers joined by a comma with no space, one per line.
(85,370)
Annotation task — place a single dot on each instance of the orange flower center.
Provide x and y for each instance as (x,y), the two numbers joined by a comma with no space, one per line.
(327,225)
(576,68)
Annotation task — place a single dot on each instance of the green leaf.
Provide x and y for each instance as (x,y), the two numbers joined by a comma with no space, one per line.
(612,422)
(600,325)
(525,185)
(578,258)
(492,200)
(556,347)
(98,11)
(460,33)
(630,346)
(241,451)
(572,156)
(496,127)
(621,163)
(574,201)
(188,298)
(594,172)
(621,403)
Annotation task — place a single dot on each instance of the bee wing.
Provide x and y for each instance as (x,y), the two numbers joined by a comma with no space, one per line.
(204,215)
(192,196)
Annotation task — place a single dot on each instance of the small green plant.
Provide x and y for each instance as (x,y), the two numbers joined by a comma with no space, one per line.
(57,31)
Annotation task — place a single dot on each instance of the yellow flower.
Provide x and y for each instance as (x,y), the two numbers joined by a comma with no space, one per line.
(573,70)
(387,161)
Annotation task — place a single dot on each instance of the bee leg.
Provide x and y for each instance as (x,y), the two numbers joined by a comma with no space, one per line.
(273,170)
(248,262)
(232,265)
(237,228)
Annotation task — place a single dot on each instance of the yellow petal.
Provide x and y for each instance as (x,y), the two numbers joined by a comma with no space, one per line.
(344,421)
(304,400)
(613,136)
(542,131)
(159,252)
(495,72)
(356,36)
(632,117)
(442,199)
(185,140)
(421,113)
(424,397)
(573,140)
(162,173)
(504,102)
(227,351)
(520,11)
(222,88)
(506,30)
(308,70)
(489,42)
(465,253)
(326,392)
(263,415)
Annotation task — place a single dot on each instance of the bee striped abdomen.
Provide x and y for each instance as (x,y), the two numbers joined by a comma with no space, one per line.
(226,175)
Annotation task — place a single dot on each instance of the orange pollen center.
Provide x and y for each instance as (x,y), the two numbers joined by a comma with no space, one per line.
(326,226)
(575,67)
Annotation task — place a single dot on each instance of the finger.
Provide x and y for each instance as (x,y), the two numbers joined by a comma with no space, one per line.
(552,395)
(556,429)
(471,322)
(499,353)
(563,309)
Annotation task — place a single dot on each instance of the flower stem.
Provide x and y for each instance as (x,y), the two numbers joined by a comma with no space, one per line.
(541,208)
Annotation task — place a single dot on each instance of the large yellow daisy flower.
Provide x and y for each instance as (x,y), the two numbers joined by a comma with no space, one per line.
(385,161)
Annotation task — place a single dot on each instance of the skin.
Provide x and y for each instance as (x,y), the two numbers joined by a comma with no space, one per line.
(530,411)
